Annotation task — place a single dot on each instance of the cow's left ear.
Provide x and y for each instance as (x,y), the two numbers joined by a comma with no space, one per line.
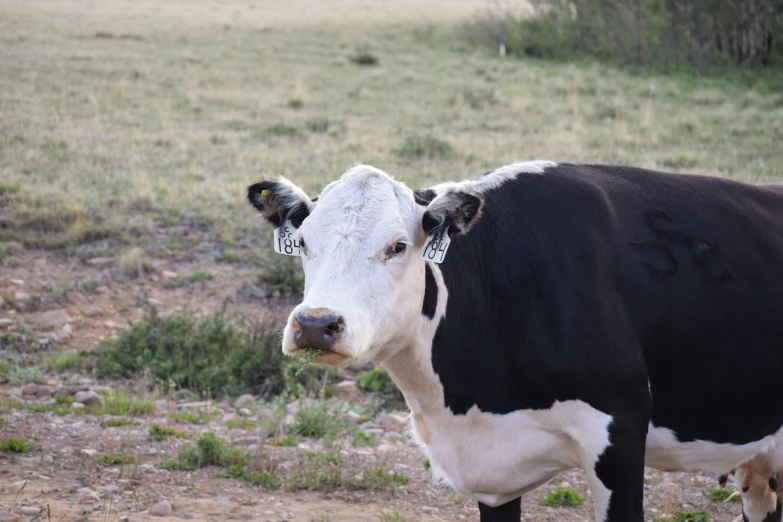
(279,200)
(453,212)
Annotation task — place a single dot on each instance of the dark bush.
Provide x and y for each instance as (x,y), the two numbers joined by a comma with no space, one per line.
(669,34)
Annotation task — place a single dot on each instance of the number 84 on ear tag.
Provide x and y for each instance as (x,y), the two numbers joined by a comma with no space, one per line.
(435,248)
(285,242)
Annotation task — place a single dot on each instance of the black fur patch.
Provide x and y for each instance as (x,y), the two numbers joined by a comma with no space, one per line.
(464,211)
(430,293)
(424,197)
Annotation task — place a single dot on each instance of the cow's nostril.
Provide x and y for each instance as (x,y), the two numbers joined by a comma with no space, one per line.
(319,332)
(334,327)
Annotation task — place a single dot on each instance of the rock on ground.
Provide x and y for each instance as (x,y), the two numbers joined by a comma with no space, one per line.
(161,509)
(395,422)
(88,398)
(38,390)
(245,401)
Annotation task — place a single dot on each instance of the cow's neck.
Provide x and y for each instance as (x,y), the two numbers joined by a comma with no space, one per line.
(411,366)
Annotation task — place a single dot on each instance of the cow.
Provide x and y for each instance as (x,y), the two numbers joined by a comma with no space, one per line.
(549,316)
(758,489)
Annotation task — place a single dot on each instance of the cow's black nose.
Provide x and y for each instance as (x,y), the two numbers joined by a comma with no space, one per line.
(317,332)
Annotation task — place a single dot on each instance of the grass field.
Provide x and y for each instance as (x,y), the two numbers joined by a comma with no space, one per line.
(120,118)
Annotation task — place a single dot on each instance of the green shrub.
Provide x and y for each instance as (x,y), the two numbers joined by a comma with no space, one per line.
(361,438)
(15,445)
(424,147)
(379,382)
(206,355)
(721,495)
(563,497)
(158,432)
(288,440)
(314,420)
(281,277)
(112,459)
(117,422)
(243,424)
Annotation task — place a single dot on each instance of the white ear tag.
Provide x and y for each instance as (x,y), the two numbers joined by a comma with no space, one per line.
(435,249)
(285,242)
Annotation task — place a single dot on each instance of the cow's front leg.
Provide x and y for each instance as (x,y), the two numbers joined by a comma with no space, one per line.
(508,512)
(616,475)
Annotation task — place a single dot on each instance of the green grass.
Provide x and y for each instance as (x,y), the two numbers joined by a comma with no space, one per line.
(288,440)
(199,275)
(242,424)
(691,516)
(211,450)
(64,399)
(721,495)
(313,419)
(111,161)
(16,445)
(563,497)
(158,432)
(426,463)
(113,459)
(191,416)
(361,438)
(119,403)
(379,382)
(117,422)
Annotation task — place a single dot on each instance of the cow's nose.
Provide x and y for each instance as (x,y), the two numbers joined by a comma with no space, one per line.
(317,332)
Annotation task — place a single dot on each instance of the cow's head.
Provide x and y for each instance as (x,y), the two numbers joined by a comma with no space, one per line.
(361,239)
(759,492)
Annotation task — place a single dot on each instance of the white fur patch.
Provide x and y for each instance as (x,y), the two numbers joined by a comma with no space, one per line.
(495,178)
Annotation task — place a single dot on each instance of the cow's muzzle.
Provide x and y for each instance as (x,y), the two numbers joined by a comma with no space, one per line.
(317,331)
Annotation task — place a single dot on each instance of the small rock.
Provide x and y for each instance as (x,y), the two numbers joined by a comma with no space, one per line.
(347,390)
(352,416)
(245,412)
(54,318)
(77,406)
(69,390)
(7,516)
(184,395)
(564,485)
(21,298)
(18,282)
(103,289)
(88,398)
(47,459)
(134,517)
(99,261)
(38,390)
(88,496)
(245,401)
(112,324)
(63,333)
(4,321)
(161,509)
(89,452)
(92,311)
(76,298)
(168,274)
(395,422)
(385,448)
(30,511)
(285,516)
(226,407)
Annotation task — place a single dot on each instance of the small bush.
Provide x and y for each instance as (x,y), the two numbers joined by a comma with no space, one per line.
(364,57)
(315,420)
(118,403)
(158,432)
(135,263)
(15,445)
(282,277)
(563,497)
(63,399)
(65,360)
(691,516)
(7,188)
(199,275)
(289,440)
(426,463)
(115,423)
(424,147)
(379,382)
(242,424)
(361,438)
(191,416)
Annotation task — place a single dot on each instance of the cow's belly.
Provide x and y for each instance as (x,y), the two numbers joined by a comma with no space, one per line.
(495,458)
(666,453)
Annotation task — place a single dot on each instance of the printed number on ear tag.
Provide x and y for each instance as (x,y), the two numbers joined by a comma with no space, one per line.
(285,242)
(435,249)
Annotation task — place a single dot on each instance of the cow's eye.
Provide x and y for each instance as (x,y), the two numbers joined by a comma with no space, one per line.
(399,248)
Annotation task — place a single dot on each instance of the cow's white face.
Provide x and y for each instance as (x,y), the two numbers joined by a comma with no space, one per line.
(364,281)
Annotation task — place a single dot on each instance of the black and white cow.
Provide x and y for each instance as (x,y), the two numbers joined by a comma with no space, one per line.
(583,316)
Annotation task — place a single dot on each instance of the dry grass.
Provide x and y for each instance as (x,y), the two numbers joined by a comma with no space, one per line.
(109,127)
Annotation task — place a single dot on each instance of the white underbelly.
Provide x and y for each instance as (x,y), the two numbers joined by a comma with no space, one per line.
(666,453)
(495,458)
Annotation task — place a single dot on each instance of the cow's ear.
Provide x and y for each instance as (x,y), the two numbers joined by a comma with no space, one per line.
(453,212)
(279,200)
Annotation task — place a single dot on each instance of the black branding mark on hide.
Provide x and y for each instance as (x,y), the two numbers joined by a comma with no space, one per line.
(430,293)
(658,256)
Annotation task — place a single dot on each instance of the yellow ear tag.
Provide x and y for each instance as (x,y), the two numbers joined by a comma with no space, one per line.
(266,192)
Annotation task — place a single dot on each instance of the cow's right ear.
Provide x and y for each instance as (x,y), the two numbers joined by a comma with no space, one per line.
(279,200)
(452,212)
